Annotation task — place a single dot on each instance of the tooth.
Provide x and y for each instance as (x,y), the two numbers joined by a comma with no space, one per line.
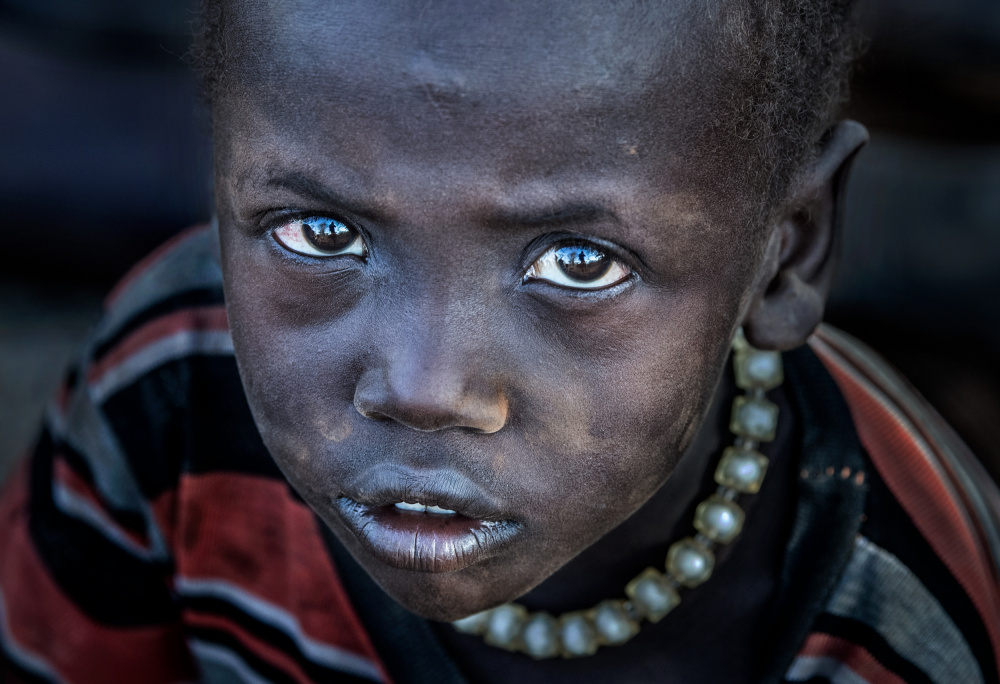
(403,505)
(440,511)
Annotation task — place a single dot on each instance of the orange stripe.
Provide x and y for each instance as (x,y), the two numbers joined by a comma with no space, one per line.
(248,531)
(898,457)
(858,659)
(148,261)
(210,318)
(44,622)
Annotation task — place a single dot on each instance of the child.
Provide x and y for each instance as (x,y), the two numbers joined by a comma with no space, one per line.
(483,264)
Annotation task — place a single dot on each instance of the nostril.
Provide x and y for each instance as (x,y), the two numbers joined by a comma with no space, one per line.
(430,402)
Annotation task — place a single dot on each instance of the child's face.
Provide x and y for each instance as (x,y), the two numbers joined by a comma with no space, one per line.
(440,353)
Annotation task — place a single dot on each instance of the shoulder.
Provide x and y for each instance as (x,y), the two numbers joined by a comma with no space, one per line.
(919,599)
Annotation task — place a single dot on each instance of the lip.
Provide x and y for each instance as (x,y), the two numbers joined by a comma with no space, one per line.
(425,542)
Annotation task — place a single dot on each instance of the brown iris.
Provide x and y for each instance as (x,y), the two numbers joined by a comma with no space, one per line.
(328,235)
(582,263)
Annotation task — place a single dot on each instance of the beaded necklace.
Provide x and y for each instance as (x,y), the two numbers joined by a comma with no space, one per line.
(652,594)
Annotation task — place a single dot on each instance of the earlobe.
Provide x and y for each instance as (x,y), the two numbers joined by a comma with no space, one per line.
(800,257)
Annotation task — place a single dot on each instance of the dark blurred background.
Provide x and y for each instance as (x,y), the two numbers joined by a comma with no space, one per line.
(104,154)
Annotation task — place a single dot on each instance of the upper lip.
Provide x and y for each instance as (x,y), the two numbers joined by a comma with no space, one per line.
(385,485)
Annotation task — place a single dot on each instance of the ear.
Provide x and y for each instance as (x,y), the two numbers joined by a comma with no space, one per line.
(800,257)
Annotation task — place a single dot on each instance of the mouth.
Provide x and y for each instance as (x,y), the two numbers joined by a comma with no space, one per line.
(433,531)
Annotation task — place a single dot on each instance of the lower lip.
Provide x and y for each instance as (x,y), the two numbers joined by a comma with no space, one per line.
(424,542)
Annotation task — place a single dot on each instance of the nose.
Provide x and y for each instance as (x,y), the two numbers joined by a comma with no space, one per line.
(427,385)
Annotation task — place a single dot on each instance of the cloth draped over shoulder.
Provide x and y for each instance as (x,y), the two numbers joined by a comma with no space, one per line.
(150,538)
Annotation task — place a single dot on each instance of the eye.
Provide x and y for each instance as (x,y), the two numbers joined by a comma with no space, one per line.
(320,237)
(578,266)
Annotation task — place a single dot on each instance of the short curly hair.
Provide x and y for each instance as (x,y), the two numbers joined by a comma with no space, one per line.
(793,57)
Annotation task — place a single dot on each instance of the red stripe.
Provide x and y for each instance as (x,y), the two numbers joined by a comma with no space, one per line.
(911,478)
(149,261)
(853,656)
(248,531)
(210,318)
(44,622)
(259,648)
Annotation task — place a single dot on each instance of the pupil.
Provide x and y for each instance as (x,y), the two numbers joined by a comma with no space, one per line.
(582,263)
(328,236)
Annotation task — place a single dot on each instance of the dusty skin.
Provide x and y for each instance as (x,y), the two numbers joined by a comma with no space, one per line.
(570,428)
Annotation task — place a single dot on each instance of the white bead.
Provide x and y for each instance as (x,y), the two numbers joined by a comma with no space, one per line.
(613,624)
(504,626)
(651,595)
(578,635)
(540,637)
(754,418)
(473,624)
(741,469)
(689,562)
(718,519)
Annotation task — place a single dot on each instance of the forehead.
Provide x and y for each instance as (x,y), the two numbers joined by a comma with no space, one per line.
(474,60)
(514,90)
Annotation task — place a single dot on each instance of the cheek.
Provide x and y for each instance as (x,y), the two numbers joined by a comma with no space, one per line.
(298,376)
(607,418)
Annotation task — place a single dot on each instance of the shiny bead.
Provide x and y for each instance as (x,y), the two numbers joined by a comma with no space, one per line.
(578,635)
(756,369)
(718,519)
(504,626)
(652,595)
(473,624)
(741,469)
(689,562)
(614,626)
(754,418)
(540,636)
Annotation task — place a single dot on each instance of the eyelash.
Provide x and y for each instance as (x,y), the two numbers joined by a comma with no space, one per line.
(600,269)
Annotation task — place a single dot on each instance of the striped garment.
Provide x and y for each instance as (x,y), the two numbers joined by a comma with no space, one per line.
(151,539)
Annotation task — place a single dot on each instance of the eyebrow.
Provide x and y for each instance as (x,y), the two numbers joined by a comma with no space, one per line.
(551,217)
(548,217)
(306,186)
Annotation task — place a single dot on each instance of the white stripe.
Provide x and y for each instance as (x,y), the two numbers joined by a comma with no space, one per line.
(805,668)
(317,651)
(221,666)
(31,662)
(74,505)
(87,431)
(877,589)
(176,346)
(189,265)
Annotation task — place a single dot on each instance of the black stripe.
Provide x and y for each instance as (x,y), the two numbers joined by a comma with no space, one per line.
(132,521)
(269,634)
(188,415)
(863,635)
(891,528)
(12,672)
(268,671)
(182,300)
(108,584)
